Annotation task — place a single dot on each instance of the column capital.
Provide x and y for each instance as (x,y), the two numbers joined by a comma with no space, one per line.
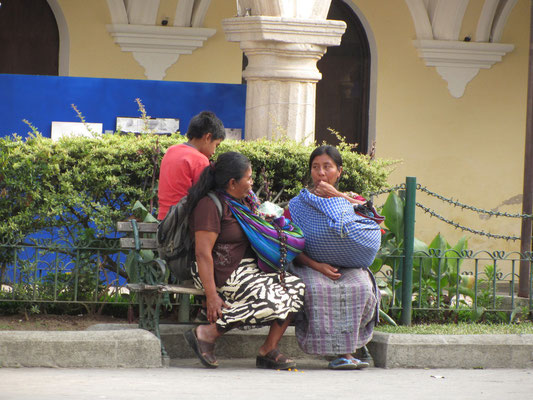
(283,48)
(288,30)
(281,74)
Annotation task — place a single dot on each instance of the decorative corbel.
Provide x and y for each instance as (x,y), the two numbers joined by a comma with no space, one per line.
(437,25)
(153,46)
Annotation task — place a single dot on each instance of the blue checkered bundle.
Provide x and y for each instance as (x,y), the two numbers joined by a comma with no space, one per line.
(334,233)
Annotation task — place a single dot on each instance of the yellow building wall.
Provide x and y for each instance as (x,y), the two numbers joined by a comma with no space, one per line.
(470,149)
(93,53)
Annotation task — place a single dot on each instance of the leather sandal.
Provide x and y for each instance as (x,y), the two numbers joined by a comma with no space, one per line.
(274,359)
(204,350)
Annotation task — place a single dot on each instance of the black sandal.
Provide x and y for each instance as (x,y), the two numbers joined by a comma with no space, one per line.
(274,359)
(204,350)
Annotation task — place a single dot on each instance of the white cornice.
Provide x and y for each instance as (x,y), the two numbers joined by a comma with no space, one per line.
(154,47)
(158,47)
(437,25)
(459,62)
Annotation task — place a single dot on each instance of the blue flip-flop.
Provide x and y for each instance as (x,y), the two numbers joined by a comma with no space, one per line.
(360,364)
(342,363)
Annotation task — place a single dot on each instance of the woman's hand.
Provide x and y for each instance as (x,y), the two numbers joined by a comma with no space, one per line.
(324,189)
(214,307)
(328,270)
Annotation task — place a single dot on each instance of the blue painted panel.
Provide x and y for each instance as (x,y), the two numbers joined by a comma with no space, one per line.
(43,99)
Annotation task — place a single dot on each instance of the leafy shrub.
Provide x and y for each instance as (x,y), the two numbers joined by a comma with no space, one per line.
(74,191)
(78,188)
(281,167)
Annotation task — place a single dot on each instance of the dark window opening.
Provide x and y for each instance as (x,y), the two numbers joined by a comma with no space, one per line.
(29,38)
(342,101)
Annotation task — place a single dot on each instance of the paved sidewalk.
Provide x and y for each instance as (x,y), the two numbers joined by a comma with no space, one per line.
(238,379)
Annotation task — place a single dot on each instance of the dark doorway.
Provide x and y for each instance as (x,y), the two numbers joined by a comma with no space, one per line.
(29,38)
(343,93)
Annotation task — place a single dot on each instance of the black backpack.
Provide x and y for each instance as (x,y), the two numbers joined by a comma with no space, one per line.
(174,242)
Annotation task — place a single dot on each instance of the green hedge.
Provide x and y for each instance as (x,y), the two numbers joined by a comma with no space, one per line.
(80,187)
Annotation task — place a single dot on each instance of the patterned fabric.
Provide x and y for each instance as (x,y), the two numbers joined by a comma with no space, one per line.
(276,244)
(339,315)
(334,233)
(256,298)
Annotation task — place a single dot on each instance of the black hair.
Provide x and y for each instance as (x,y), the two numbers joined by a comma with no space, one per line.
(228,166)
(331,151)
(206,122)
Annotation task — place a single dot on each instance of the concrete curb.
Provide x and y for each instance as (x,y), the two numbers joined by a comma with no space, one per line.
(388,350)
(235,344)
(135,348)
(123,345)
(451,351)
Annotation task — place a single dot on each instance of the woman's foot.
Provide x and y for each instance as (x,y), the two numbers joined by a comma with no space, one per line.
(347,362)
(364,355)
(274,359)
(204,350)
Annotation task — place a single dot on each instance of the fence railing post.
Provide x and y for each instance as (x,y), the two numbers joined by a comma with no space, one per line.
(408,246)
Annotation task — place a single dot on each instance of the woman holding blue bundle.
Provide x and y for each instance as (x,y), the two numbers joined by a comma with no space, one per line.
(231,269)
(341,297)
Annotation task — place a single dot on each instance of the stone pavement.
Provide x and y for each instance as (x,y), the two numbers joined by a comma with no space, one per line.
(238,379)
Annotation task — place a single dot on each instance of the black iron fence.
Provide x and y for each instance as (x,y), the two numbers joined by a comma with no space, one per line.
(412,277)
(41,271)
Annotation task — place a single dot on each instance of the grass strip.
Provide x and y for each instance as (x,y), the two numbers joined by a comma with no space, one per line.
(460,329)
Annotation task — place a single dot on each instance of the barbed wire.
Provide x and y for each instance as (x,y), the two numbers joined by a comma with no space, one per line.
(471,208)
(465,228)
(392,189)
(457,203)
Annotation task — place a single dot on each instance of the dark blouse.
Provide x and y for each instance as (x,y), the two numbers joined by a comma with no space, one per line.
(231,245)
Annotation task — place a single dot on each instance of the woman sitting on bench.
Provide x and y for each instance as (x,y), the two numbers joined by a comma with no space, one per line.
(238,293)
(342,237)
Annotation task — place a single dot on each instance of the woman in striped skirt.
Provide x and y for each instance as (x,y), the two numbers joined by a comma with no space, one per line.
(238,293)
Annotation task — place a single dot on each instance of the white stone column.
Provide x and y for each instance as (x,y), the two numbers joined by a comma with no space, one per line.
(282,49)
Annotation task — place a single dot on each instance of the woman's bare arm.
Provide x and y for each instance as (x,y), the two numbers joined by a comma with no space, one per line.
(205,241)
(326,269)
(324,189)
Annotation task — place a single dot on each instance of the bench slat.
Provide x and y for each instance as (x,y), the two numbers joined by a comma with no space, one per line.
(181,289)
(144,227)
(146,244)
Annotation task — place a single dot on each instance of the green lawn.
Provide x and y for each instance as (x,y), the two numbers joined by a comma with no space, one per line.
(459,329)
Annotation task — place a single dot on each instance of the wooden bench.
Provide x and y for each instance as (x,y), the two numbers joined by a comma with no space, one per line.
(152,277)
(149,276)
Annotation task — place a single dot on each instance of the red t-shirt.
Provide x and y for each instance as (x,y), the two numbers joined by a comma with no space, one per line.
(180,169)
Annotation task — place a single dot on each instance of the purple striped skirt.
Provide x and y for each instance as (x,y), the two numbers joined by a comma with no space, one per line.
(339,315)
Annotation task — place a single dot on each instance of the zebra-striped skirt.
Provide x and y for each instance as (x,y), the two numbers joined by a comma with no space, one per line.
(256,298)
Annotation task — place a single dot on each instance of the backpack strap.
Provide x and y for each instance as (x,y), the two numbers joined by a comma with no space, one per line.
(217,202)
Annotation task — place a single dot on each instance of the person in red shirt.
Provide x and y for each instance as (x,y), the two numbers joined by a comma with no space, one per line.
(183,163)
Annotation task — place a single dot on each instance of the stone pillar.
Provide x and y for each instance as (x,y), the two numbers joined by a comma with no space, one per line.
(283,45)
